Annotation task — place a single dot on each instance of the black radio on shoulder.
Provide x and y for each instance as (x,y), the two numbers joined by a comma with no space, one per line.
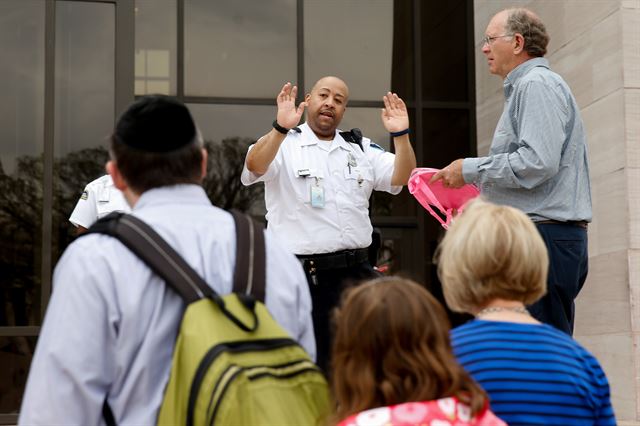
(353,136)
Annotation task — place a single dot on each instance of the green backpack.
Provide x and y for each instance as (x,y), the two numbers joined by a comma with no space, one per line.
(232,363)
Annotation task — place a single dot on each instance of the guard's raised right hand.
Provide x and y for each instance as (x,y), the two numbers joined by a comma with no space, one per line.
(288,115)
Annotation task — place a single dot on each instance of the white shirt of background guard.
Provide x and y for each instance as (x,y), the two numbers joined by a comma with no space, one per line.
(100,197)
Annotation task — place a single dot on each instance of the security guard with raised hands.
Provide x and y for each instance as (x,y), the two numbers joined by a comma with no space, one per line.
(318,181)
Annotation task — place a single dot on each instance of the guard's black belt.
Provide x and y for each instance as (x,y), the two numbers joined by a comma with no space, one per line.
(580,223)
(336,260)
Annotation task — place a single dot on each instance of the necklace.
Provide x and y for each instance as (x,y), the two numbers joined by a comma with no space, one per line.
(516,309)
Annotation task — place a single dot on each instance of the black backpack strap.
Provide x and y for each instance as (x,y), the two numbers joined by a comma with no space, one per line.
(150,247)
(249,277)
(107,414)
(162,259)
(353,136)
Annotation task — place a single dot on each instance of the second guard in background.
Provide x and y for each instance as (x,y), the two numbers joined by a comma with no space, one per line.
(99,198)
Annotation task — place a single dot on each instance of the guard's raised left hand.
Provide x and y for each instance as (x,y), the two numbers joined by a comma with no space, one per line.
(395,117)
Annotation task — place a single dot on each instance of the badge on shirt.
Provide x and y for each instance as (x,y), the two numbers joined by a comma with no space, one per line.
(351,161)
(317,195)
(85,195)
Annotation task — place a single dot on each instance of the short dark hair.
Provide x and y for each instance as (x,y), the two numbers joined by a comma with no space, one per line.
(147,170)
(155,143)
(525,22)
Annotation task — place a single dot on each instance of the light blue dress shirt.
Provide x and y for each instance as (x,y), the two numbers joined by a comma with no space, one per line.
(111,324)
(538,158)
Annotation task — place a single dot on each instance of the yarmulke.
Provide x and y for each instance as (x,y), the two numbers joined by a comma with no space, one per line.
(156,123)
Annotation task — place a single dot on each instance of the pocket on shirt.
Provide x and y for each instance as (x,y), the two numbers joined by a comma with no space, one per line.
(360,183)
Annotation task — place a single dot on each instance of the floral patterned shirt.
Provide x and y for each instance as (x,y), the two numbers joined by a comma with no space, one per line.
(441,412)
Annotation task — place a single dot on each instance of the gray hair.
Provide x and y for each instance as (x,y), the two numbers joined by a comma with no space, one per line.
(525,22)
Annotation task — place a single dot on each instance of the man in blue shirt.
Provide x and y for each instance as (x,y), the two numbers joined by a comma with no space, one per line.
(538,157)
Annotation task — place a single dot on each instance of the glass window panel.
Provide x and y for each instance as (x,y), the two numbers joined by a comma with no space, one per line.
(228,130)
(352,40)
(229,121)
(239,49)
(446,136)
(158,87)
(85,80)
(15,358)
(84,98)
(444,50)
(403,65)
(140,86)
(155,43)
(368,120)
(158,64)
(21,146)
(140,61)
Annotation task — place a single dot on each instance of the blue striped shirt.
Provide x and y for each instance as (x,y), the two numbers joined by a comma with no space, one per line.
(534,374)
(538,158)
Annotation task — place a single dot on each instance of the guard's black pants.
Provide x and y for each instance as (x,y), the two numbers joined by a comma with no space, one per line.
(568,267)
(325,296)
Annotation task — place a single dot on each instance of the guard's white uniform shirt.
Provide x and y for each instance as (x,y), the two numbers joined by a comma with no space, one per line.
(111,324)
(343,222)
(99,198)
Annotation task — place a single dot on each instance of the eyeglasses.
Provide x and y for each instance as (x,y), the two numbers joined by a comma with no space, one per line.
(489,40)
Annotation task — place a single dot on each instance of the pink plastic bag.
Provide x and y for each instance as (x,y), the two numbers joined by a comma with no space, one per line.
(435,194)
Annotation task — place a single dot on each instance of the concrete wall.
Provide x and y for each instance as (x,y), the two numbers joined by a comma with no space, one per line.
(595,46)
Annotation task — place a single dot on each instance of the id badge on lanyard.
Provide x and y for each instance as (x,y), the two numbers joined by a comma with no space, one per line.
(317,194)
(304,170)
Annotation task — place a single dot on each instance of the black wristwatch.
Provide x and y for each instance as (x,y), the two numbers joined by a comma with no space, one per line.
(279,128)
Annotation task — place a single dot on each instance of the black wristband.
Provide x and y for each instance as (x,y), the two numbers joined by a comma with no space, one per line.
(279,128)
(400,133)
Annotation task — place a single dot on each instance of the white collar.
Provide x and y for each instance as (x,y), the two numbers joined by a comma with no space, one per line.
(310,138)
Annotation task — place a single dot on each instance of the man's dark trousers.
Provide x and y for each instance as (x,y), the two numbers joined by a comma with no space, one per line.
(568,267)
(326,289)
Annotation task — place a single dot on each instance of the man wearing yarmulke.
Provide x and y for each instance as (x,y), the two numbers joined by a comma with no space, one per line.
(111,325)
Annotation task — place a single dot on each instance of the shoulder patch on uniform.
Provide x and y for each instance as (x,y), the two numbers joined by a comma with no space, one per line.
(84,195)
(376,146)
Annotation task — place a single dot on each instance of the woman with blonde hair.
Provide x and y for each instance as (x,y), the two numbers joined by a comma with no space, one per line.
(393,364)
(492,263)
